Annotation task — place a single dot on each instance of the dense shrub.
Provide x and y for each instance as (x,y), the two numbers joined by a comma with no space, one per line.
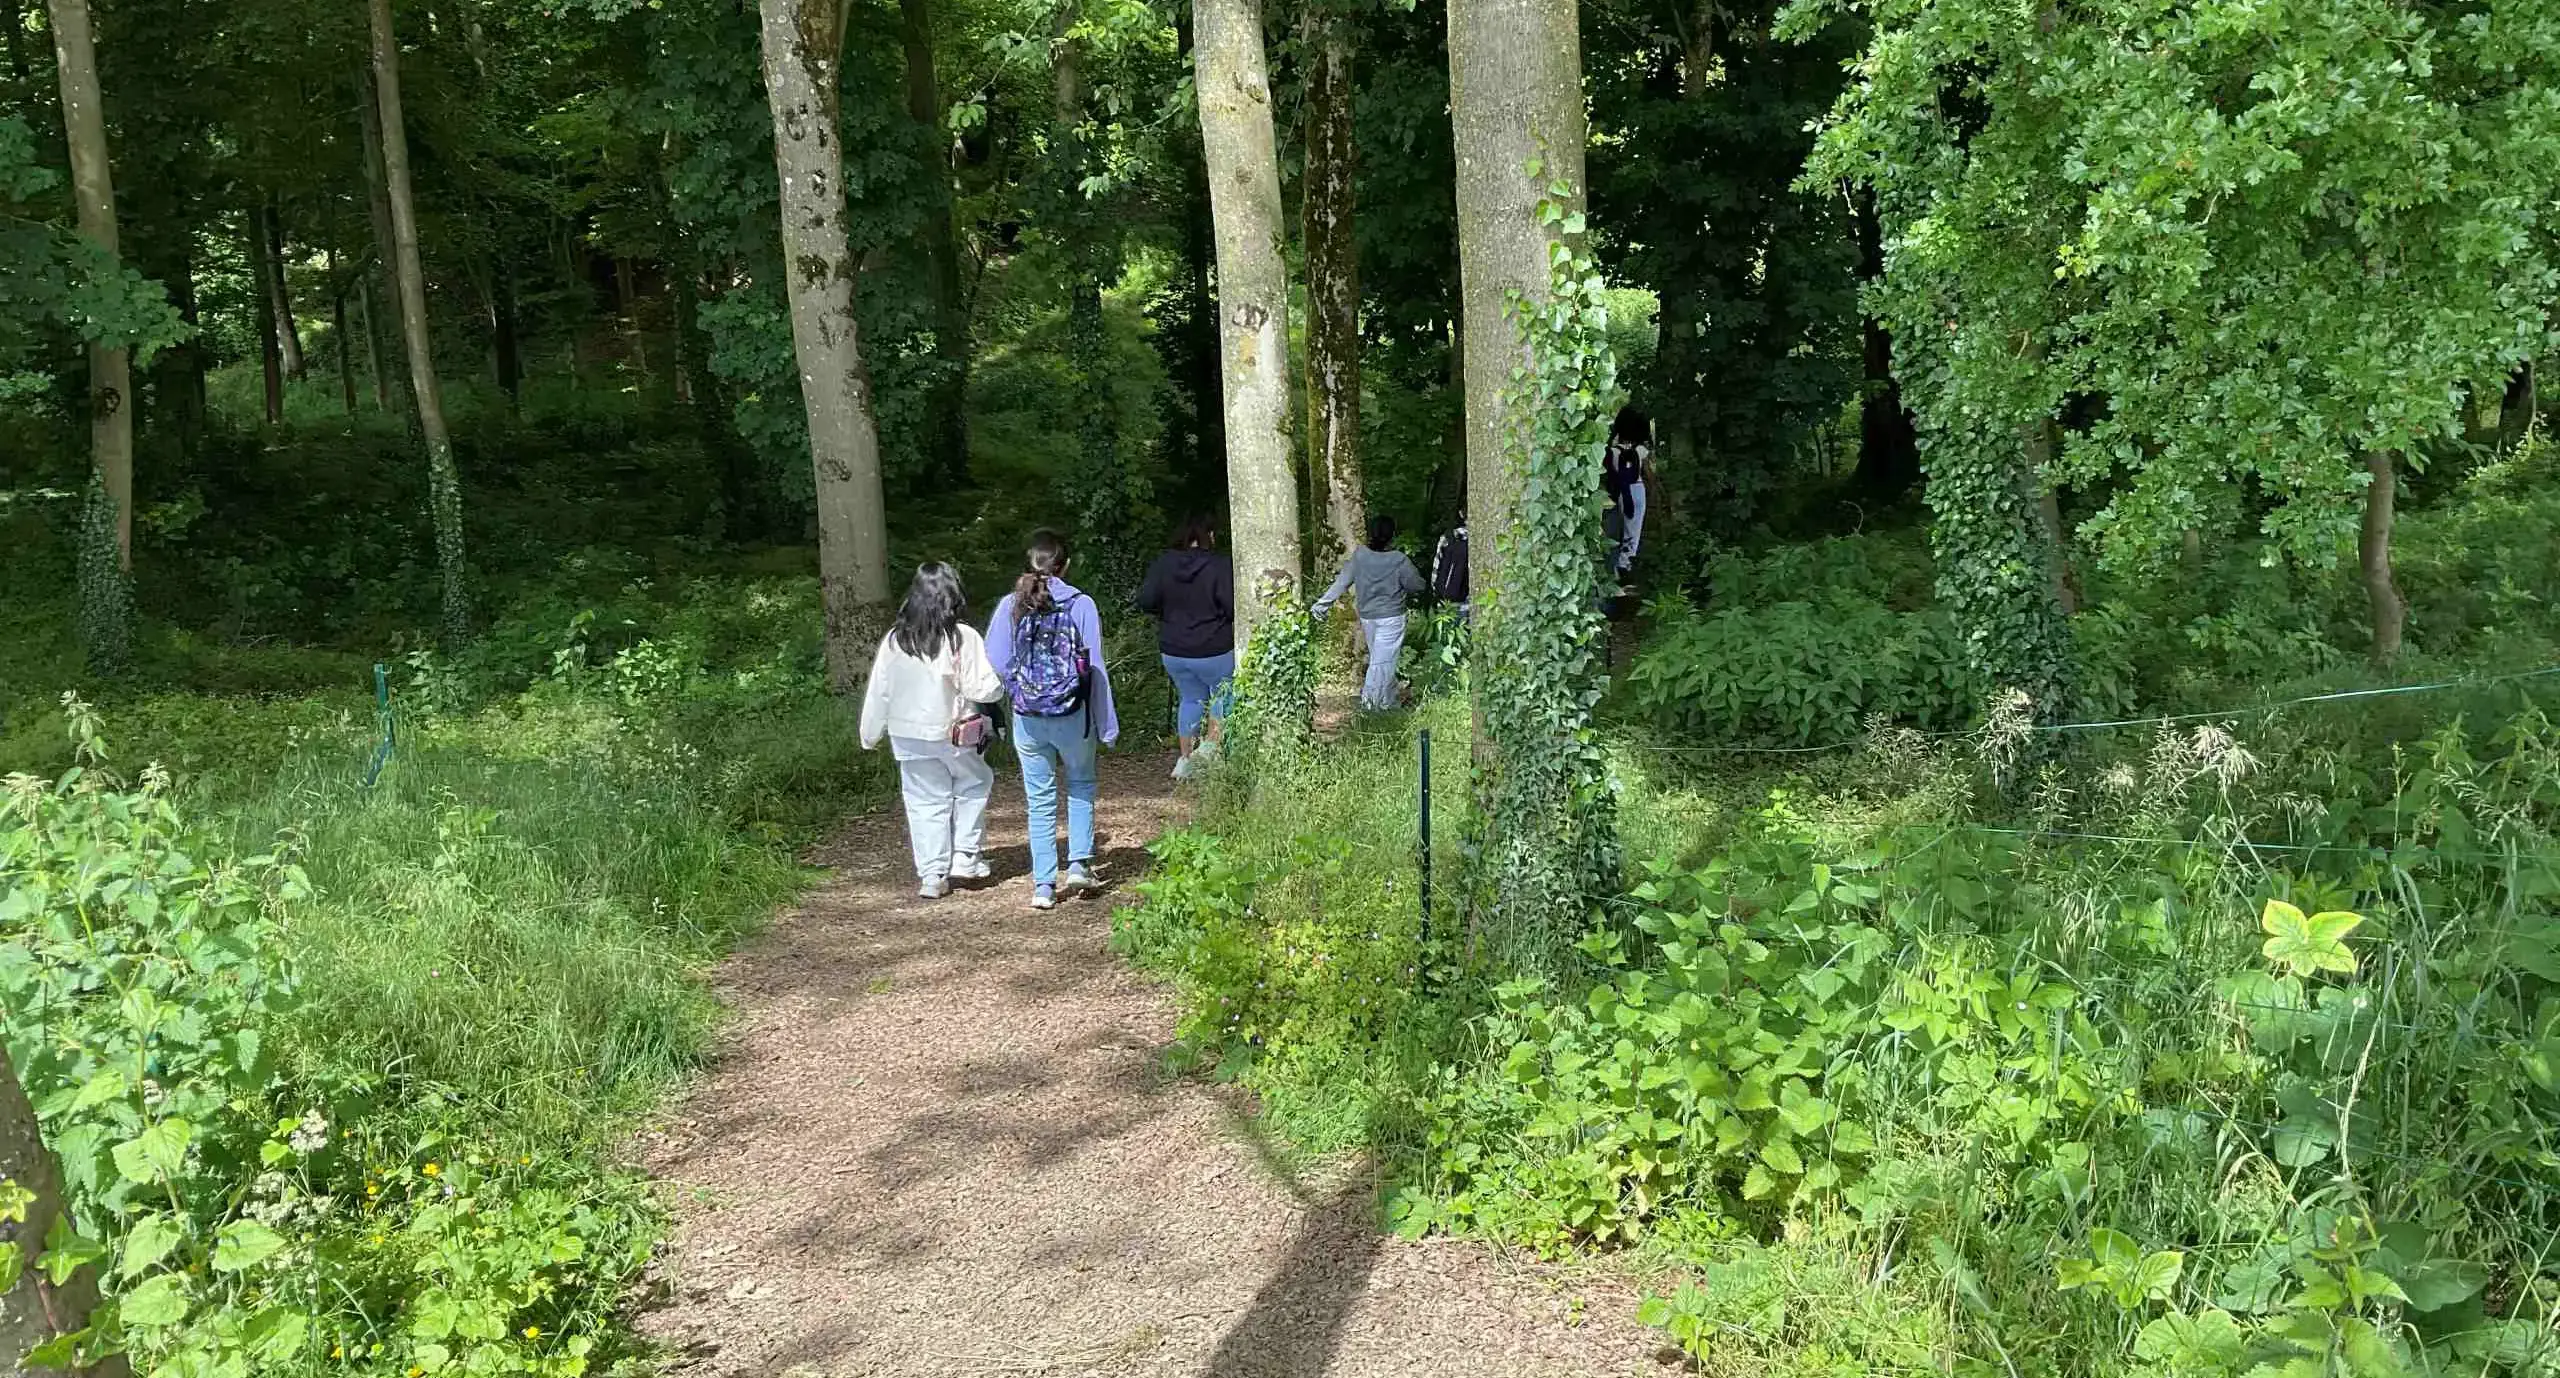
(1798,673)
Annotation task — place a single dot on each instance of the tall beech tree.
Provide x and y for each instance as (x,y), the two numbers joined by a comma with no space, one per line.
(801,41)
(444,480)
(1238,143)
(106,563)
(1329,198)
(1515,109)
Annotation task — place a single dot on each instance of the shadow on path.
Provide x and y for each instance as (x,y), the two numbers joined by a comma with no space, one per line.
(1296,1319)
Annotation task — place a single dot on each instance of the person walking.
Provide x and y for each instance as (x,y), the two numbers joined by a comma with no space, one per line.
(1623,468)
(1046,642)
(1385,580)
(1191,591)
(928,681)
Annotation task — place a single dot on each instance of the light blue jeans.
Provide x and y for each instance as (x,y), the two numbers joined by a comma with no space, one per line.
(1197,679)
(1055,752)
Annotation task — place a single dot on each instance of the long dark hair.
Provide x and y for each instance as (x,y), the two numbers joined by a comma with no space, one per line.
(1632,428)
(930,618)
(1382,531)
(1046,555)
(1197,532)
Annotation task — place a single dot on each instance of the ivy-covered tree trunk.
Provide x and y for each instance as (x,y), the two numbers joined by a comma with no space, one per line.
(1541,390)
(1328,200)
(32,1309)
(280,290)
(801,42)
(946,403)
(1515,110)
(2038,439)
(106,556)
(2373,555)
(444,481)
(1253,300)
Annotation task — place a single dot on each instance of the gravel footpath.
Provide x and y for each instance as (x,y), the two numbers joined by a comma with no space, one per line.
(940,1141)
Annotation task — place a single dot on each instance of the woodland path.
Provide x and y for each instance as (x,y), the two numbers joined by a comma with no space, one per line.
(941,1142)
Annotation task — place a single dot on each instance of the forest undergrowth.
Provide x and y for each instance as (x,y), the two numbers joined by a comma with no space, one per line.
(2219,1047)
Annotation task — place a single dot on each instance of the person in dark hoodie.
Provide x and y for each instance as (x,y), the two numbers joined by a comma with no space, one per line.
(1191,591)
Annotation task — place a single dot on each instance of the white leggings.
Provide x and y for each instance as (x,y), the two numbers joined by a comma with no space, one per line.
(1385,636)
(946,789)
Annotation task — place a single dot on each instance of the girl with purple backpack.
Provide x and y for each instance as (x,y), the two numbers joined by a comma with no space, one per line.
(1046,642)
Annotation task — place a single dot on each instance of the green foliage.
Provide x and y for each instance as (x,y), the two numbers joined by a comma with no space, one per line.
(1548,842)
(1797,673)
(1273,720)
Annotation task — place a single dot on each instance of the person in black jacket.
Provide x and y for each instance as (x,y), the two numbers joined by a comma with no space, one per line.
(1191,590)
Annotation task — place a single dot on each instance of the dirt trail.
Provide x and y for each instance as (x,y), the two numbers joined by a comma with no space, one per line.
(941,1143)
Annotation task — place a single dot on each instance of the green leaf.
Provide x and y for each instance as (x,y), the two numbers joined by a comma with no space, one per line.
(2308,945)
(245,1244)
(1757,1183)
(2158,1274)
(147,1242)
(2440,1282)
(156,1155)
(159,1301)
(1781,1154)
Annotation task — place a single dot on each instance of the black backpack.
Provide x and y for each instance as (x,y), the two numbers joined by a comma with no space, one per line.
(1449,568)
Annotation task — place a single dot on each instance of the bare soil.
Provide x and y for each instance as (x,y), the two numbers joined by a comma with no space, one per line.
(942,1142)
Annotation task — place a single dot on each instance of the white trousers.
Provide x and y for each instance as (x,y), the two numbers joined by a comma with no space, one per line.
(946,789)
(1385,636)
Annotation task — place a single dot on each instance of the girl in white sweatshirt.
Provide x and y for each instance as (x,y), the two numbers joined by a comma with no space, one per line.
(928,678)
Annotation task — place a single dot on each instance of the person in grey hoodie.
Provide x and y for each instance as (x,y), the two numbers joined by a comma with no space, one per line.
(1385,579)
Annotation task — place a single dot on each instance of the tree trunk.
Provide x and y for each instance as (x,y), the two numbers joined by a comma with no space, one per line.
(389,331)
(262,271)
(338,332)
(373,352)
(444,481)
(288,331)
(2038,441)
(801,40)
(1253,298)
(105,570)
(506,354)
(2516,412)
(33,1310)
(2373,553)
(1888,443)
(1329,198)
(1515,109)
(946,403)
(626,292)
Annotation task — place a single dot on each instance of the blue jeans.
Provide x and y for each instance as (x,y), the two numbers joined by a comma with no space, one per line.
(1055,750)
(1197,679)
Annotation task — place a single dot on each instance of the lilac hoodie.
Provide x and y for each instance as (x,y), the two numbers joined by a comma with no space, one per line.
(1088,621)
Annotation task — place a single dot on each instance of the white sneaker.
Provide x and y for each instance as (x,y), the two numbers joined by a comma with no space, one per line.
(1182,768)
(1080,878)
(1042,898)
(933,889)
(1203,754)
(970,868)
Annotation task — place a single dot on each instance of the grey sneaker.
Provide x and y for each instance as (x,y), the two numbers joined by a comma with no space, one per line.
(1044,898)
(933,889)
(970,868)
(1080,878)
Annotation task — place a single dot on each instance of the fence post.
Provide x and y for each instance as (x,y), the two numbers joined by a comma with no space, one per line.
(1426,834)
(383,719)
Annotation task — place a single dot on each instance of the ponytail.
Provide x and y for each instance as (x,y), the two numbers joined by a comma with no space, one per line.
(1046,556)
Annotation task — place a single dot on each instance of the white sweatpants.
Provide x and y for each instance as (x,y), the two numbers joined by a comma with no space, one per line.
(946,789)
(1385,636)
